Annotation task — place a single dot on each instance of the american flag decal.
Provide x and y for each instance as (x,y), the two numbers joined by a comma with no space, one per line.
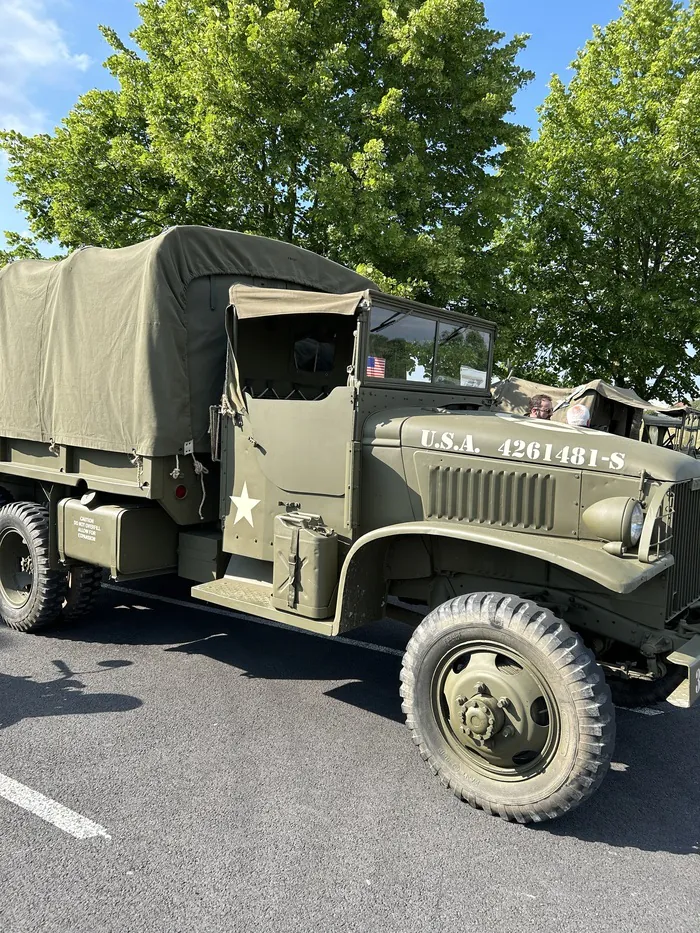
(376,366)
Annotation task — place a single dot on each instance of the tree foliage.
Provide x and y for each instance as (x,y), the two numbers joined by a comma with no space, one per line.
(18,247)
(604,266)
(372,131)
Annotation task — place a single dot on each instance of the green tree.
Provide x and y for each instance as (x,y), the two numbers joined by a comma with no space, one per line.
(372,131)
(18,247)
(604,274)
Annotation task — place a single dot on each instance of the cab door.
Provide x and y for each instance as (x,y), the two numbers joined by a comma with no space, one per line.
(292,448)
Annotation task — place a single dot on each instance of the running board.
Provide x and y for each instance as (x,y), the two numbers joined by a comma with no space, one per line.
(247,587)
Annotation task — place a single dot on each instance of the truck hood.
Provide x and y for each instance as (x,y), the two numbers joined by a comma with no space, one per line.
(503,436)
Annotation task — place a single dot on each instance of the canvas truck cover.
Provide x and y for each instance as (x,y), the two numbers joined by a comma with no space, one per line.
(513,395)
(112,349)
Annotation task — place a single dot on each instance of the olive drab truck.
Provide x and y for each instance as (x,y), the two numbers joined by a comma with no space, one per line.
(266,424)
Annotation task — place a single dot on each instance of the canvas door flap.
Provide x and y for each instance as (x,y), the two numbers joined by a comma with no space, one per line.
(251,302)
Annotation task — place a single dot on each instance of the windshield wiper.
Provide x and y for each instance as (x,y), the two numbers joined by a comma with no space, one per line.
(454,334)
(389,321)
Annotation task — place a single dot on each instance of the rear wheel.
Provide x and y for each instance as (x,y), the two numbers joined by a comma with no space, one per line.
(84,582)
(31,592)
(508,706)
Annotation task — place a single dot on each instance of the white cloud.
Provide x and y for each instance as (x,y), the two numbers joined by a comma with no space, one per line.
(33,50)
(31,40)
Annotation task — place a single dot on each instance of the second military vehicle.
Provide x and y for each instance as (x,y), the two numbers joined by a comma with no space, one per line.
(266,424)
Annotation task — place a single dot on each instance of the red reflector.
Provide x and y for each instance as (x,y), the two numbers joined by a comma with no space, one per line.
(180,492)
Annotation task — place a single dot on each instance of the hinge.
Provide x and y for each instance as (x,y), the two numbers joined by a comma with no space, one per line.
(352,484)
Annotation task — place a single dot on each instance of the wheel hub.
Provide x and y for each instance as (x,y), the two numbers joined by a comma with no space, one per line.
(481,717)
(16,568)
(493,704)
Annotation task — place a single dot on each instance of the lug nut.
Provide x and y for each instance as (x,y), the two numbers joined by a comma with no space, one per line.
(481,688)
(503,702)
(507,732)
(461,700)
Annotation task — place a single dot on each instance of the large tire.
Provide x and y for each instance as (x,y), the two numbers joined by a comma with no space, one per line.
(635,692)
(507,706)
(84,582)
(31,592)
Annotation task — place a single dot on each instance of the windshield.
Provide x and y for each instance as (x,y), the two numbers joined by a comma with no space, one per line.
(405,346)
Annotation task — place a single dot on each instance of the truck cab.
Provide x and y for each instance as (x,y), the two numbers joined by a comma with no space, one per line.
(310,375)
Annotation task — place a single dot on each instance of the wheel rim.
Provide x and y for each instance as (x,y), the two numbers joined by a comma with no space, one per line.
(495,710)
(16,569)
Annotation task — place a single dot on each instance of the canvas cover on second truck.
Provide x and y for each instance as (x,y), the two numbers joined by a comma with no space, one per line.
(124,349)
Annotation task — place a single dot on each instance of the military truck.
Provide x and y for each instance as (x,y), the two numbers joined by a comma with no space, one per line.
(612,408)
(268,425)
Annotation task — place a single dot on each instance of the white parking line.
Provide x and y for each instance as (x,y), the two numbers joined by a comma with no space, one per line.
(51,811)
(230,614)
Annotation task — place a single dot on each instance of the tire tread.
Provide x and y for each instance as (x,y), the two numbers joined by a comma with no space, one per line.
(83,589)
(33,519)
(577,668)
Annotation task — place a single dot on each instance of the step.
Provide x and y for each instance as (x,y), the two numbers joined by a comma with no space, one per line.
(247,587)
(246,580)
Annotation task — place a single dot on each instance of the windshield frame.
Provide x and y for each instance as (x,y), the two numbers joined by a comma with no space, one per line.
(439,315)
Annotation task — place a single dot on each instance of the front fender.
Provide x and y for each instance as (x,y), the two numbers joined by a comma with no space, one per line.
(361,588)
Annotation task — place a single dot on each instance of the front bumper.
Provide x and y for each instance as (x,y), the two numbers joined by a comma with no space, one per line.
(688,657)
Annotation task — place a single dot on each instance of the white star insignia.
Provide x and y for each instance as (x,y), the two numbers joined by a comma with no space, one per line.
(244,506)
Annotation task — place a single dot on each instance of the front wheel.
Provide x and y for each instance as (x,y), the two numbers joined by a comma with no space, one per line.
(508,706)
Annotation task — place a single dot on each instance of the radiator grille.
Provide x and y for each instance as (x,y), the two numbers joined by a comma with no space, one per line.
(493,497)
(684,575)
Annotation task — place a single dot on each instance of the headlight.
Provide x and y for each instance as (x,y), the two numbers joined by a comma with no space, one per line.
(636,523)
(617,519)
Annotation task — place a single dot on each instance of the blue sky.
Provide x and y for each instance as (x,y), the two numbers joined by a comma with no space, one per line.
(51,52)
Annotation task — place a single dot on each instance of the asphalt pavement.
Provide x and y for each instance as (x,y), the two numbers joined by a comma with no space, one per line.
(244,777)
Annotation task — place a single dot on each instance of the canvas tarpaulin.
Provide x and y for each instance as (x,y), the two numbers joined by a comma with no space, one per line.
(107,349)
(263,302)
(613,393)
(514,395)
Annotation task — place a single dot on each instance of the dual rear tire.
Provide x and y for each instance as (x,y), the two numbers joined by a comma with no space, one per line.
(33,594)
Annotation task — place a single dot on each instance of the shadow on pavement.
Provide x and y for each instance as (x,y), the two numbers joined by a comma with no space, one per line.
(258,650)
(370,678)
(24,698)
(649,800)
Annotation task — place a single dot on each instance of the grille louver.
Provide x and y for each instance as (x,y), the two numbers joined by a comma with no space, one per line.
(684,575)
(494,497)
